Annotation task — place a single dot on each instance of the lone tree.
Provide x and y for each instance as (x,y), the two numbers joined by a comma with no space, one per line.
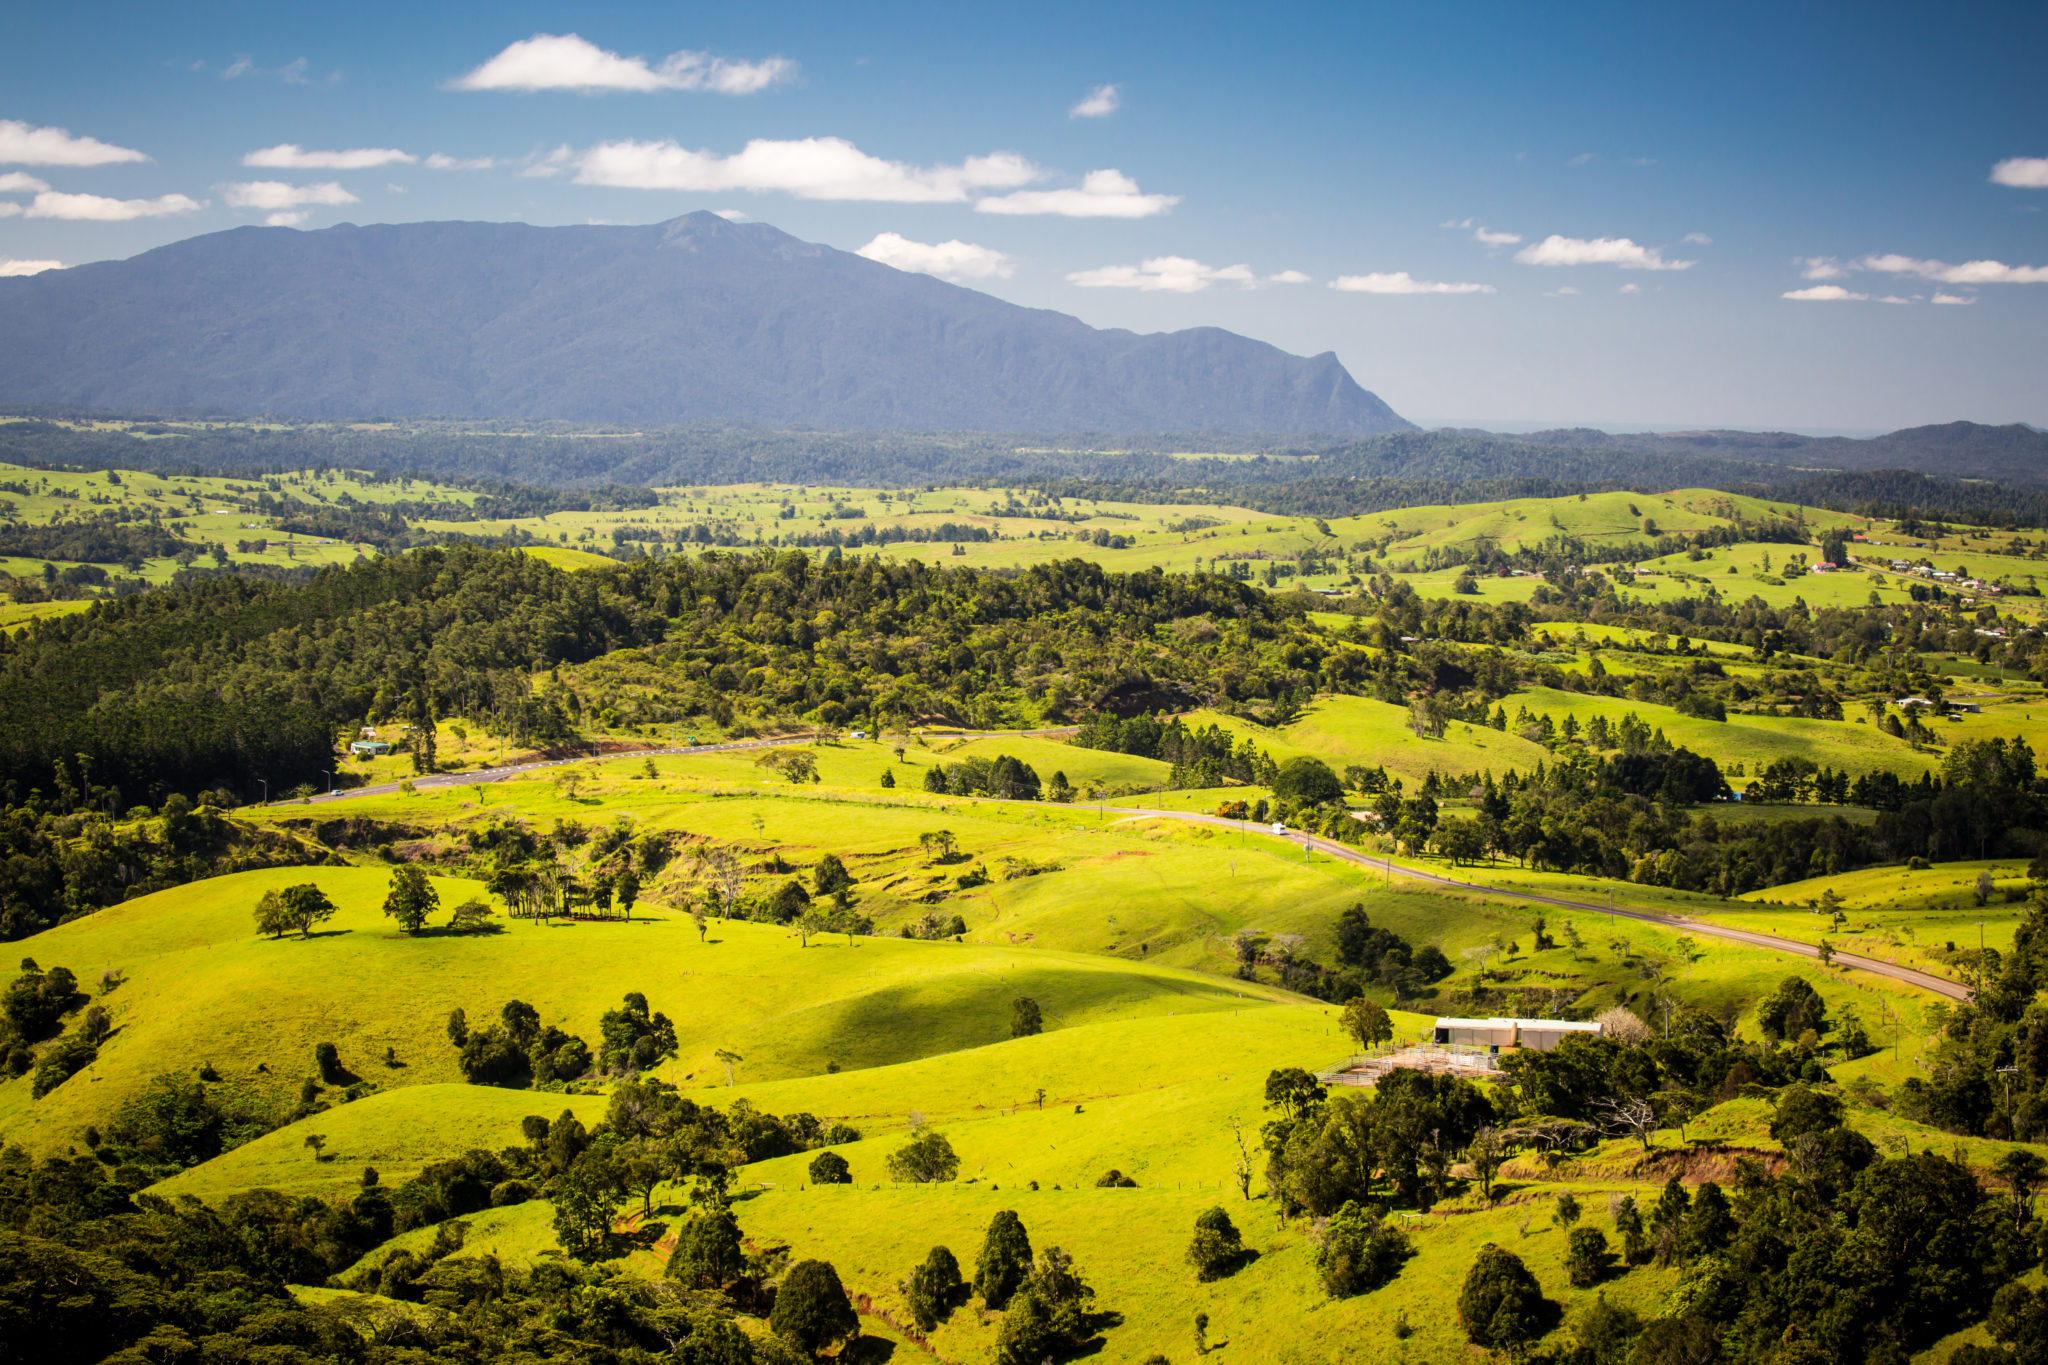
(1367,1022)
(932,1289)
(1217,1246)
(411,898)
(938,844)
(1500,1305)
(1005,1259)
(830,1168)
(1307,782)
(927,1159)
(811,1308)
(296,907)
(1025,1019)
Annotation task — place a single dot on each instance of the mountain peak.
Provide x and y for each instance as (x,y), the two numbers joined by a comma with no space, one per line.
(694,319)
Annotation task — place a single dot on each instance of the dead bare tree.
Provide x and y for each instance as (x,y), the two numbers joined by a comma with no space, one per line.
(1627,1114)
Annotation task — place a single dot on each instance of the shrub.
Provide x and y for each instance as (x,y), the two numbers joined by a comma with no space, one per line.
(932,1288)
(830,1168)
(1025,1019)
(1358,1251)
(63,1059)
(1005,1259)
(506,1193)
(1217,1246)
(708,1253)
(1113,1179)
(1586,1257)
(811,1308)
(1500,1304)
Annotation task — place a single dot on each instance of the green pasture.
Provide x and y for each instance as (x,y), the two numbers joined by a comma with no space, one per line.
(201,988)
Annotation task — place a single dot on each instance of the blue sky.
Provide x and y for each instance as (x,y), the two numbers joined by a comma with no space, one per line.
(1491,213)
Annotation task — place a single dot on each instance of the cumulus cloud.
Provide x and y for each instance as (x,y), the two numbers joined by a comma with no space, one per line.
(809,168)
(2022,172)
(9,209)
(1100,102)
(1563,291)
(732,215)
(441,161)
(1961,299)
(289,219)
(1823,293)
(10,266)
(1614,251)
(20,182)
(93,208)
(1697,238)
(289,156)
(1401,282)
(277,195)
(1178,275)
(951,260)
(1631,289)
(1819,267)
(1102,194)
(23,145)
(1969,272)
(549,61)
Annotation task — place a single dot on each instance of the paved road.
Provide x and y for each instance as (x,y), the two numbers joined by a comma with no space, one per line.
(1925,981)
(1911,976)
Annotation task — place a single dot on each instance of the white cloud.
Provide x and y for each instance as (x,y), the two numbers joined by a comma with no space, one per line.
(732,215)
(1177,275)
(291,73)
(1960,299)
(26,146)
(548,61)
(1698,238)
(9,266)
(20,182)
(1102,194)
(1563,291)
(276,194)
(94,208)
(1615,251)
(1823,293)
(1969,272)
(540,166)
(951,260)
(291,218)
(1101,102)
(1631,289)
(1401,282)
(1819,267)
(9,209)
(289,156)
(441,161)
(2022,172)
(1582,158)
(1488,237)
(809,168)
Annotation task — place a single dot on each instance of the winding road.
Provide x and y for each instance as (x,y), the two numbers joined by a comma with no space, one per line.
(1910,976)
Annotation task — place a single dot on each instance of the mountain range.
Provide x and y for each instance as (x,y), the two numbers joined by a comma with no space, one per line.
(690,321)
